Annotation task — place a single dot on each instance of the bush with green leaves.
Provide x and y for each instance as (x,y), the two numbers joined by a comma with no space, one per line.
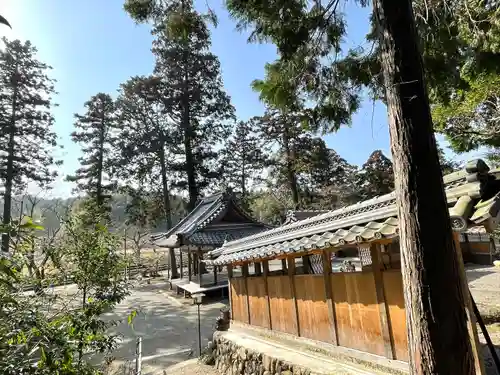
(47,334)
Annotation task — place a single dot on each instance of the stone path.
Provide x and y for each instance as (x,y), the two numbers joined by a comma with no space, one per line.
(169,329)
(484,284)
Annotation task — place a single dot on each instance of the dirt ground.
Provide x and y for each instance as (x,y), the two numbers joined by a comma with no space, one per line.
(484,284)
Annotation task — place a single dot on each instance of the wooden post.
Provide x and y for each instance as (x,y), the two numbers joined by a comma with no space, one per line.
(190,265)
(305,264)
(327,271)
(244,273)
(265,267)
(229,277)
(471,318)
(199,269)
(215,275)
(180,263)
(291,274)
(258,269)
(385,323)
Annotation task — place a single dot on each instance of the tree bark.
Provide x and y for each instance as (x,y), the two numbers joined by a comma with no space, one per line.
(188,131)
(438,339)
(292,179)
(9,177)
(167,208)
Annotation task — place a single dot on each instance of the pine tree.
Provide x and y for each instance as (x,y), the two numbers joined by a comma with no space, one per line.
(244,157)
(27,141)
(193,91)
(96,132)
(326,180)
(147,141)
(376,176)
(284,130)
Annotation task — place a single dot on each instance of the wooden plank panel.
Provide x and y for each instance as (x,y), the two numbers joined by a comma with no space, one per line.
(257,301)
(385,322)
(265,269)
(480,247)
(393,286)
(314,320)
(357,312)
(281,303)
(291,273)
(239,300)
(327,271)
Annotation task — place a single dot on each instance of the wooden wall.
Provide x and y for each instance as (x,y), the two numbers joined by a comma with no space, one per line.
(239,300)
(314,322)
(393,286)
(281,304)
(357,311)
(299,305)
(257,300)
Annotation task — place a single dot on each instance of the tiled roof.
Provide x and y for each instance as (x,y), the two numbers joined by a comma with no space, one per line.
(193,229)
(363,222)
(293,216)
(220,236)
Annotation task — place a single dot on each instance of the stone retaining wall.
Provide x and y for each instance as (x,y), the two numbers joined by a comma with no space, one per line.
(231,359)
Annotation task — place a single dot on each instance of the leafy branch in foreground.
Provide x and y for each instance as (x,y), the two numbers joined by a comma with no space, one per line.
(43,335)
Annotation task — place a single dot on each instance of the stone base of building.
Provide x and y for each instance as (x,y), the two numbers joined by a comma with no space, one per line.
(239,352)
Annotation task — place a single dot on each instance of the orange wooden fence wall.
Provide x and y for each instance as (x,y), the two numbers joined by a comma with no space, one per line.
(357,312)
(298,305)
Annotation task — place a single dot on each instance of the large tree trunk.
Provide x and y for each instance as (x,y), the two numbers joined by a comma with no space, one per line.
(9,176)
(438,339)
(165,190)
(187,128)
(167,208)
(290,170)
(190,165)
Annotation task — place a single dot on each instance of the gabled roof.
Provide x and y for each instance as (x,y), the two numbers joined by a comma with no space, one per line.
(203,225)
(473,192)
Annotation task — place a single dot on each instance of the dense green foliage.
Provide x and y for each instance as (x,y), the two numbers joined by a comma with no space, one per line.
(244,157)
(49,334)
(376,177)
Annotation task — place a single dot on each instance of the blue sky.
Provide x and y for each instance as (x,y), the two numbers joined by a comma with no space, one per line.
(94,46)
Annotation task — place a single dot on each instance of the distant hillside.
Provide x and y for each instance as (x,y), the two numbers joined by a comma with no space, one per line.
(51,211)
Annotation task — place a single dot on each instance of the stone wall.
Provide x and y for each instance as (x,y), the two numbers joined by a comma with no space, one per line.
(231,359)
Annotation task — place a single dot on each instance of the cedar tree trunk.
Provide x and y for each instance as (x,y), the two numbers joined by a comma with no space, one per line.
(290,170)
(166,207)
(9,176)
(438,339)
